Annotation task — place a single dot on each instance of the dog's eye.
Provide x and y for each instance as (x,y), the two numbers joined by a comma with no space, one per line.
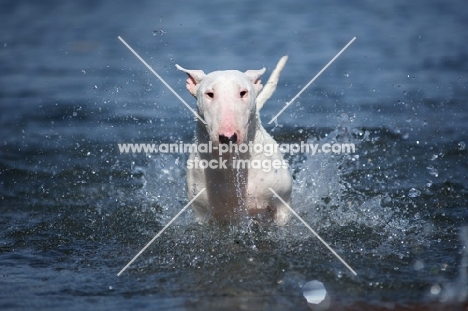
(242,94)
(210,94)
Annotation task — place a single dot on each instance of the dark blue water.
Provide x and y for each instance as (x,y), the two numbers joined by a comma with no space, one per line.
(74,210)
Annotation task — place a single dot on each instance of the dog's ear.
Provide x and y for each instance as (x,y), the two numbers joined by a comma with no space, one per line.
(194,79)
(254,77)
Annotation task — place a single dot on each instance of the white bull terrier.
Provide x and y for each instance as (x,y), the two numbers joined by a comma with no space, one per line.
(236,179)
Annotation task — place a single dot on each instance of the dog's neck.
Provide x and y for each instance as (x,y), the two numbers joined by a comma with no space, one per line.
(227,187)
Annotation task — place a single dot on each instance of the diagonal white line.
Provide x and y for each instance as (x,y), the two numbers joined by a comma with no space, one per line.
(159,233)
(311,230)
(311,81)
(161,79)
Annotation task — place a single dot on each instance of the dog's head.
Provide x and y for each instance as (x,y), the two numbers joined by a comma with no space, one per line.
(226,101)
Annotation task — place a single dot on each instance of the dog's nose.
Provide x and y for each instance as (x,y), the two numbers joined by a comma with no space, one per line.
(225,140)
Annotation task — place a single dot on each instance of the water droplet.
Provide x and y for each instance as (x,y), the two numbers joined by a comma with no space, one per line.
(83,71)
(316,295)
(75,114)
(160,32)
(414,193)
(95,87)
(433,171)
(435,289)
(461,146)
(418,265)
